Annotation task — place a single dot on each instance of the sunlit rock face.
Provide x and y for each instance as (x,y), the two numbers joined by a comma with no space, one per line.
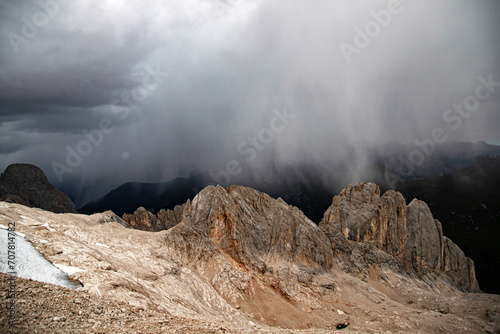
(360,218)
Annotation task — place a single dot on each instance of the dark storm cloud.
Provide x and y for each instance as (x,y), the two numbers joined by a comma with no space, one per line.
(186,83)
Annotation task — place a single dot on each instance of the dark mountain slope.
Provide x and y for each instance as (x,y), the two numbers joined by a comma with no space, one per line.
(27,184)
(153,196)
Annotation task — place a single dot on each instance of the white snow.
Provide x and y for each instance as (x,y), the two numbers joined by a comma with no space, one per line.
(18,233)
(68,269)
(29,263)
(22,235)
(48,227)
(102,245)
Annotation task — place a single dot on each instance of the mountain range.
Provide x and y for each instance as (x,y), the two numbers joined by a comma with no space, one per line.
(246,262)
(464,199)
(459,184)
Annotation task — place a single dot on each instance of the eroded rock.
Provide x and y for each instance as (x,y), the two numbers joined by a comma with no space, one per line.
(360,221)
(145,220)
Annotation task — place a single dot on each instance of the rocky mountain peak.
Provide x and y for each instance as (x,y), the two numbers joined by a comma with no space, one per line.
(361,192)
(255,229)
(361,221)
(361,228)
(28,185)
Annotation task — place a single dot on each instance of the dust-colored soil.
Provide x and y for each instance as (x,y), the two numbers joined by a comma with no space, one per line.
(47,308)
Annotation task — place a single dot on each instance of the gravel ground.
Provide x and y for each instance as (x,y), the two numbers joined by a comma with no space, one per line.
(47,308)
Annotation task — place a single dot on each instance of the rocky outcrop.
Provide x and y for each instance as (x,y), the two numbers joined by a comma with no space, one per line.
(256,230)
(248,244)
(170,218)
(360,221)
(360,229)
(145,220)
(458,267)
(27,184)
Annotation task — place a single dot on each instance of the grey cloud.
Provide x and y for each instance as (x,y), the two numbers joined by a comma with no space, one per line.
(229,65)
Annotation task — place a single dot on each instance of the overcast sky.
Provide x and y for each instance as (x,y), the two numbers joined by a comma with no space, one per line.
(150,90)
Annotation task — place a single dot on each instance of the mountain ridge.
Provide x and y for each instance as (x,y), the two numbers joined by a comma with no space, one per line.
(28,185)
(154,196)
(465,201)
(238,255)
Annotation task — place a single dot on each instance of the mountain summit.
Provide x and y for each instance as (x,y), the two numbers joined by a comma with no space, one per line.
(361,223)
(27,184)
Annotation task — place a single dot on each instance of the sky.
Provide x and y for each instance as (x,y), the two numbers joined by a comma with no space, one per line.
(98,93)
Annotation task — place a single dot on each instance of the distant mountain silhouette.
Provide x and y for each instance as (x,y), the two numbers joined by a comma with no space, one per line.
(444,158)
(152,196)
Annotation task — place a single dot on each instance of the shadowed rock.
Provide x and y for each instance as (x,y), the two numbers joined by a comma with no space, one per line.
(145,220)
(27,184)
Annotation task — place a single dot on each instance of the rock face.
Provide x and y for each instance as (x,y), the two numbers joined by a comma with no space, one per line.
(362,221)
(27,184)
(466,202)
(255,229)
(362,228)
(249,245)
(145,220)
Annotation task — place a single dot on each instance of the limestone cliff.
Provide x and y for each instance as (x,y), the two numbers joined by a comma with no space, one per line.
(249,245)
(360,220)
(145,220)
(361,228)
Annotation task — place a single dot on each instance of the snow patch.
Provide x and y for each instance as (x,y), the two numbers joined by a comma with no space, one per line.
(48,227)
(29,263)
(68,269)
(101,245)
(22,235)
